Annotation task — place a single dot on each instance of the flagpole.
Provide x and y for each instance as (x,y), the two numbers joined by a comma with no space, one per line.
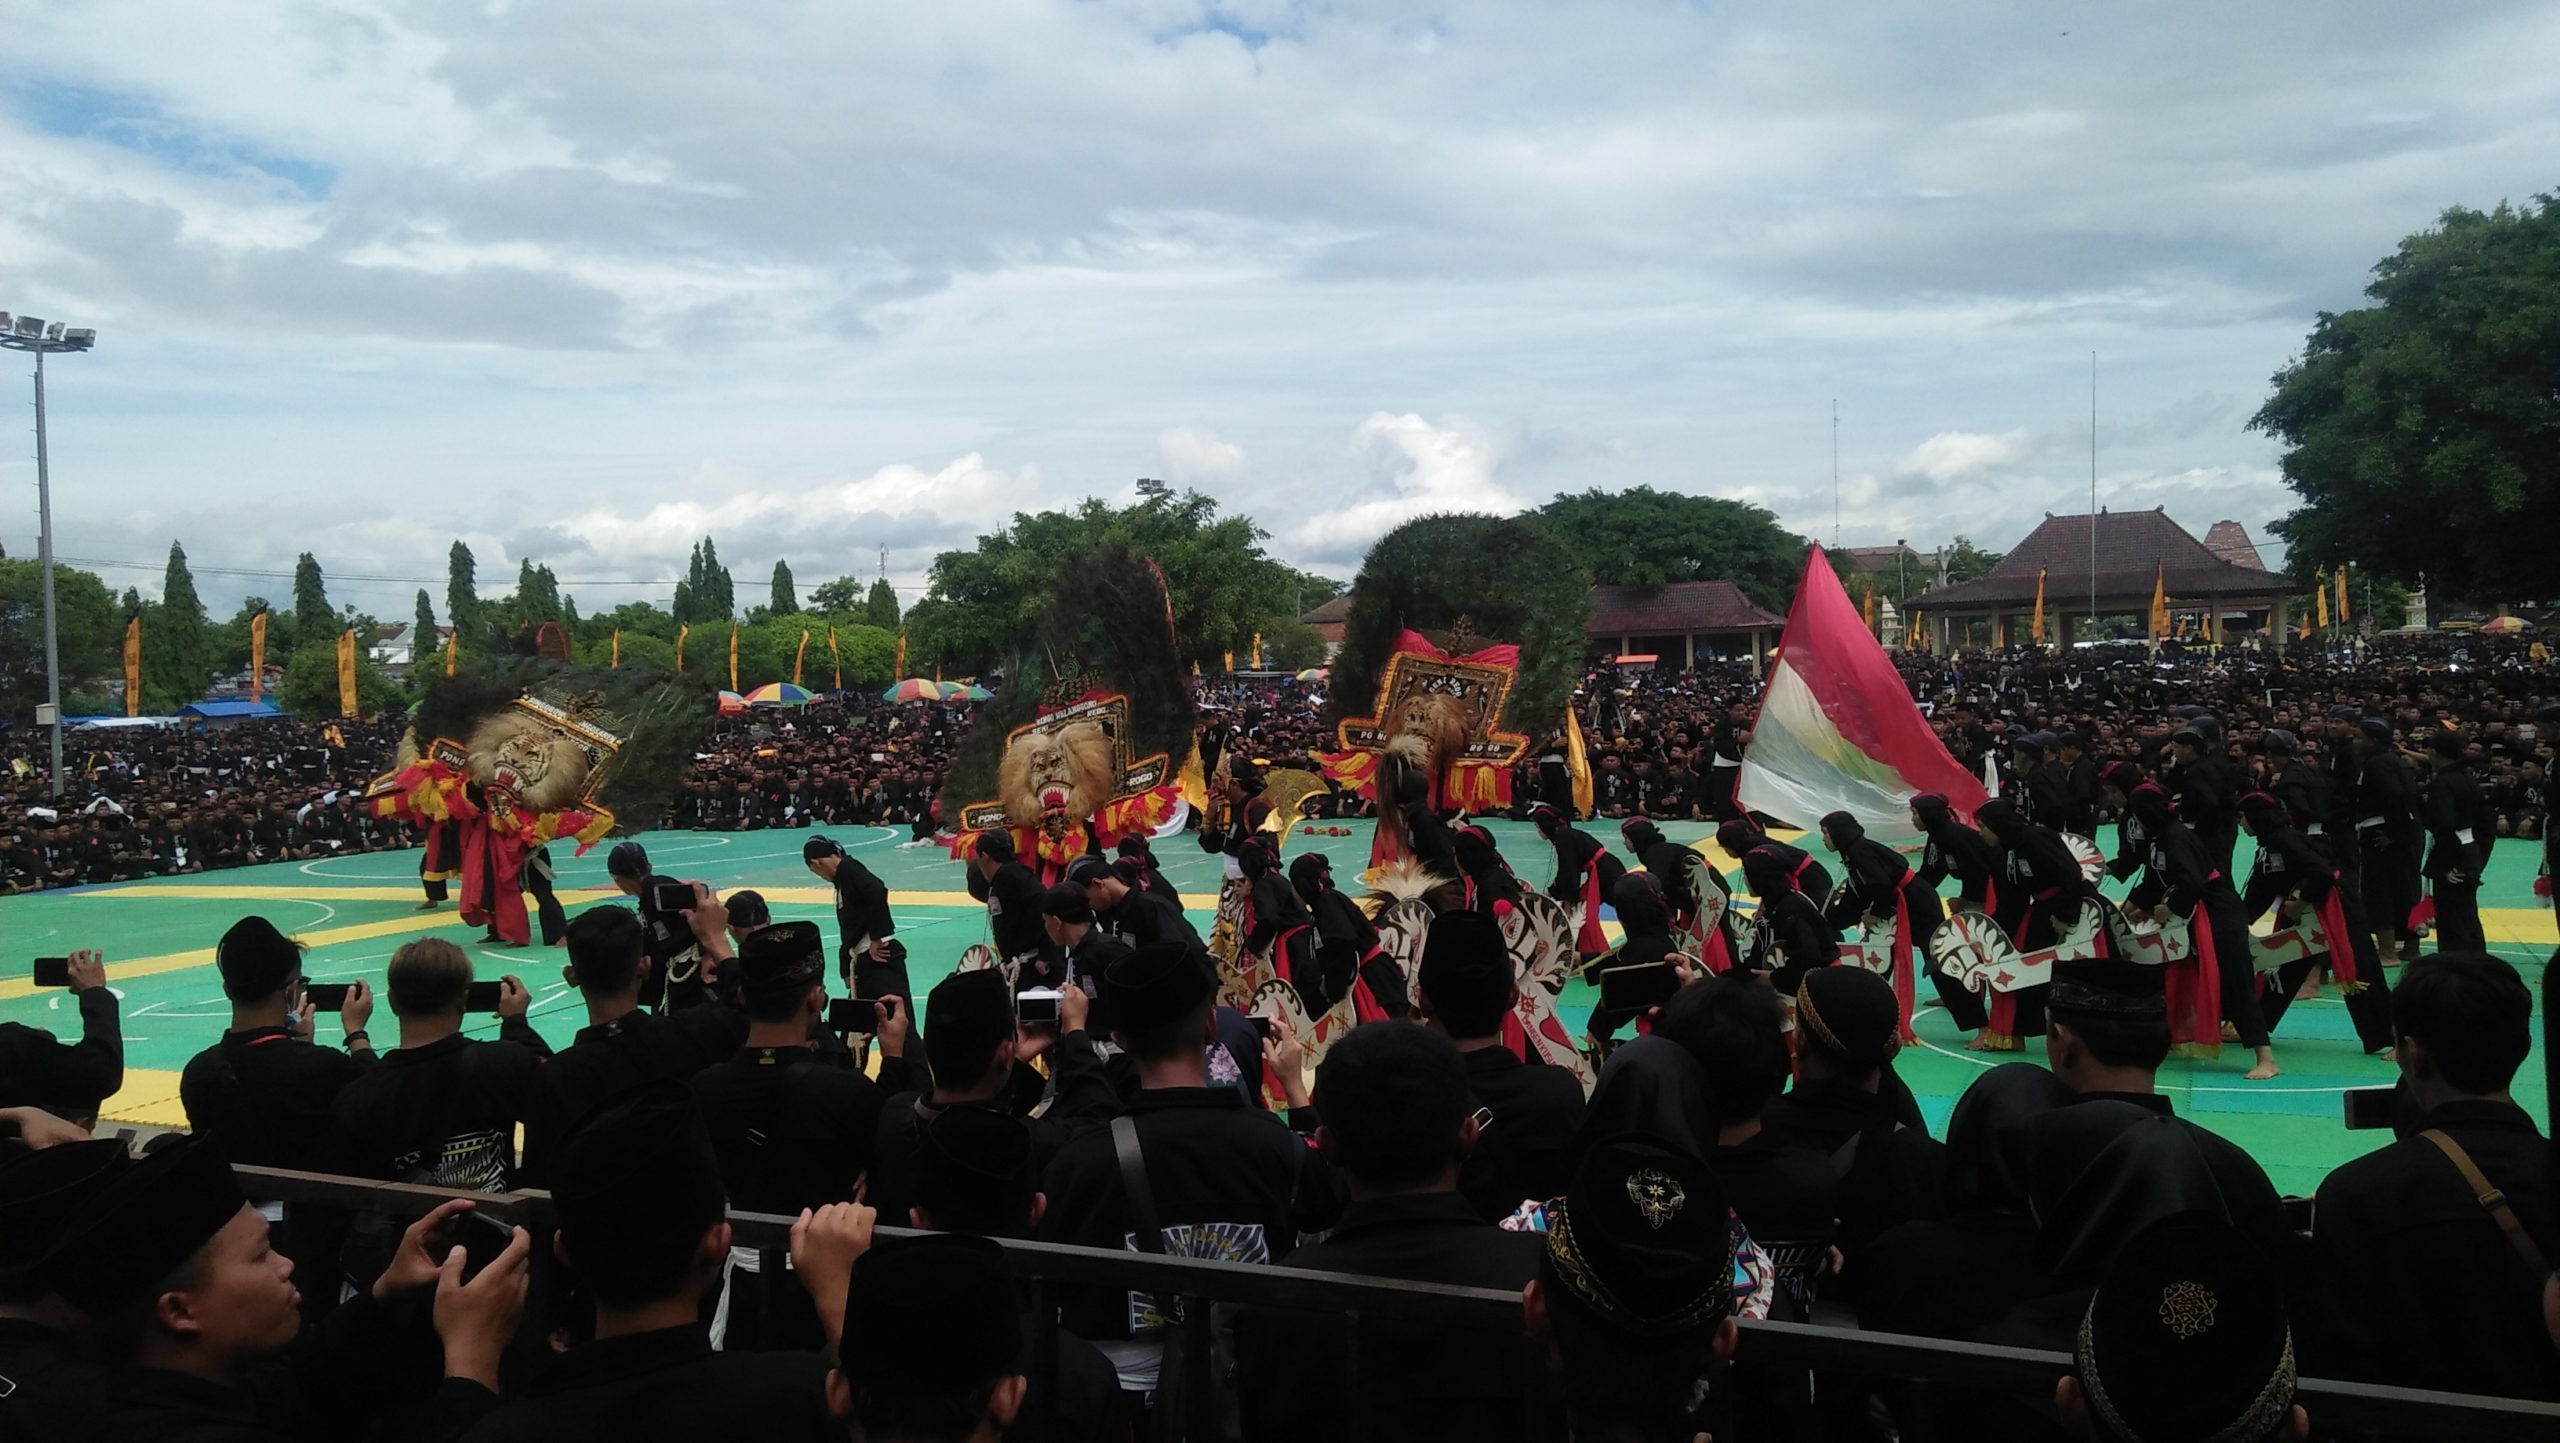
(1835,474)
(2093,491)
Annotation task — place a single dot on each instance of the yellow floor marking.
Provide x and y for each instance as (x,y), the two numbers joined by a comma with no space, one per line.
(149,1097)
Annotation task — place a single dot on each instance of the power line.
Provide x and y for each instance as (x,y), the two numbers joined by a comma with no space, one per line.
(352,578)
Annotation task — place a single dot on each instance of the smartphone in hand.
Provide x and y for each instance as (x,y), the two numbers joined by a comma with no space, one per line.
(1637,987)
(52,972)
(326,996)
(483,997)
(854,1014)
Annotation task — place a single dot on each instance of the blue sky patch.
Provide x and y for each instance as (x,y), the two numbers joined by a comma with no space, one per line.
(134,123)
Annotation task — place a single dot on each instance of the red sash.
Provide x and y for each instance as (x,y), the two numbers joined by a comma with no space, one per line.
(2194,991)
(1591,943)
(1903,953)
(2342,943)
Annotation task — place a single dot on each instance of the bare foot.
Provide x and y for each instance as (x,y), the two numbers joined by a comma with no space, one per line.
(2265,1069)
(1981,1043)
(2230,1033)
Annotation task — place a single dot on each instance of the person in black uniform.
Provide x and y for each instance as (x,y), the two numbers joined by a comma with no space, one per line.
(2035,783)
(538,878)
(2206,789)
(442,1108)
(1089,950)
(978,1056)
(1523,1151)
(1346,940)
(264,1093)
(791,1129)
(2294,875)
(1012,894)
(2455,846)
(2076,811)
(2464,1027)
(1849,1105)
(1879,884)
(2547,718)
(1138,916)
(1586,874)
(2183,881)
(47,1199)
(1954,850)
(869,958)
(1144,871)
(928,1351)
(1281,930)
(2390,837)
(68,1079)
(1489,885)
(439,860)
(1812,878)
(1788,936)
(1224,1178)
(1397,1122)
(674,978)
(1646,938)
(623,1048)
(651,1370)
(2041,887)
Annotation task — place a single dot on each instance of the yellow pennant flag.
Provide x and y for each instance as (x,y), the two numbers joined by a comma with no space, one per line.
(2038,625)
(257,657)
(2342,596)
(1869,610)
(2302,629)
(347,672)
(1228,661)
(683,630)
(1915,637)
(799,656)
(133,666)
(1195,668)
(1577,761)
(2320,600)
(733,656)
(451,641)
(2159,603)
(837,657)
(617,650)
(1257,651)
(937,673)
(898,668)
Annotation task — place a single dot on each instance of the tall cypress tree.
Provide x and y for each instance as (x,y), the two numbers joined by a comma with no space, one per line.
(880,608)
(315,623)
(423,641)
(717,595)
(461,588)
(177,643)
(786,597)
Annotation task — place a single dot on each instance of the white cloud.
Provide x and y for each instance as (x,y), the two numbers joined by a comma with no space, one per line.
(1955,455)
(1448,466)
(1194,457)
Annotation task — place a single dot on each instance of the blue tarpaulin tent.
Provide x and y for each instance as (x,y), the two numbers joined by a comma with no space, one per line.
(229,711)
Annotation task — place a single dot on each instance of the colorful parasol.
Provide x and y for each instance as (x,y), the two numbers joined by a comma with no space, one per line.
(973,693)
(1313,673)
(731,703)
(914,688)
(954,690)
(779,693)
(2506,625)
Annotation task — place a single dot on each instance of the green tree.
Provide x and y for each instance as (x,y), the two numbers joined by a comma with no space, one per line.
(1642,537)
(424,644)
(310,686)
(982,602)
(2422,432)
(1289,644)
(840,597)
(88,627)
(230,640)
(786,600)
(177,642)
(1968,562)
(462,589)
(316,622)
(880,607)
(537,597)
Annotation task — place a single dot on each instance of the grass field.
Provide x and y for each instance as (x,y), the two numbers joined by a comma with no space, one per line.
(158,940)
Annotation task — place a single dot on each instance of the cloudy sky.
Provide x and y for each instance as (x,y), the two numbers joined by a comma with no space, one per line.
(585,279)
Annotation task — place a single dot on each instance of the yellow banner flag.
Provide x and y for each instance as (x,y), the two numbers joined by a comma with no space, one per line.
(837,657)
(257,657)
(2342,596)
(1868,611)
(347,672)
(1257,651)
(133,666)
(451,642)
(617,650)
(1915,637)
(1577,762)
(2159,603)
(2320,603)
(2037,626)
(1227,661)
(2302,629)
(733,656)
(799,656)
(898,668)
(683,630)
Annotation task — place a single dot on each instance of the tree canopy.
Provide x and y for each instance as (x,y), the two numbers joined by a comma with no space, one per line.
(786,599)
(88,629)
(706,593)
(880,606)
(461,590)
(1642,537)
(315,623)
(178,651)
(982,601)
(2422,432)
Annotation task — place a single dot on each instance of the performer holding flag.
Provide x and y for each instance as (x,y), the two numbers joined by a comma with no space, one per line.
(1586,874)
(1880,884)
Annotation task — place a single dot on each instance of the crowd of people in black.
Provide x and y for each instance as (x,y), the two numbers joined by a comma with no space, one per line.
(1751,1153)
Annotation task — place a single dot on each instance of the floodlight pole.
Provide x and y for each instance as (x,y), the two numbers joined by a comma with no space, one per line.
(36,337)
(44,550)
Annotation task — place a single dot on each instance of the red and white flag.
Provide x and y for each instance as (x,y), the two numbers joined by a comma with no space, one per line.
(1838,731)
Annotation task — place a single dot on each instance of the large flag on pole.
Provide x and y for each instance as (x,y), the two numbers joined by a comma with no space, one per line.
(2342,595)
(133,666)
(2320,600)
(258,658)
(1838,731)
(2159,603)
(2038,628)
